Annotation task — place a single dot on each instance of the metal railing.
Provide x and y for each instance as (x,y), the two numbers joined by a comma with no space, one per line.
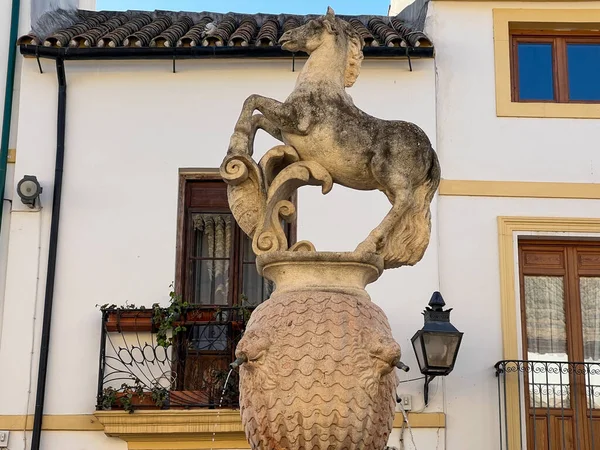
(147,365)
(549,405)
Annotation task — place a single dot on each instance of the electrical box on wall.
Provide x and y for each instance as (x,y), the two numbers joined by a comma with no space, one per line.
(405,401)
(4,439)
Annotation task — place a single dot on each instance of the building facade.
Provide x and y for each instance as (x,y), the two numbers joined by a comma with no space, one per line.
(509,98)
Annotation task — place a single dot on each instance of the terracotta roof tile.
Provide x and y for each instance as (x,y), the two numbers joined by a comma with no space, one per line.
(170,37)
(245,33)
(90,37)
(386,33)
(116,37)
(107,29)
(193,37)
(268,34)
(364,32)
(148,32)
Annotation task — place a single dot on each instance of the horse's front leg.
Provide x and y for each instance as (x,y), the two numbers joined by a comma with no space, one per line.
(260,122)
(282,116)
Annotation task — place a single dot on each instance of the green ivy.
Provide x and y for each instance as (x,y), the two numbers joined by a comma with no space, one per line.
(159,395)
(109,397)
(164,319)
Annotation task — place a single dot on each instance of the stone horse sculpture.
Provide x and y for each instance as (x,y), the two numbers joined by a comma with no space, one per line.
(321,123)
(317,359)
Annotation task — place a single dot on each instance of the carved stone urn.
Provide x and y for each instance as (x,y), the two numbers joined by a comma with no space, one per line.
(319,356)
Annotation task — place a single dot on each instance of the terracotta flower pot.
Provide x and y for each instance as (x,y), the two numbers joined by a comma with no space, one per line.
(129,320)
(144,402)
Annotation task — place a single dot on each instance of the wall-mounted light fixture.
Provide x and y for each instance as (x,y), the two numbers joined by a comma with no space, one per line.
(436,344)
(29,190)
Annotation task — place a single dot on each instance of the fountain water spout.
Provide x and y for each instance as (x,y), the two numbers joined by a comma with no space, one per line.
(238,362)
(400,365)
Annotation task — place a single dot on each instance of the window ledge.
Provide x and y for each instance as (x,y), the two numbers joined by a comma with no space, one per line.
(557,110)
(195,429)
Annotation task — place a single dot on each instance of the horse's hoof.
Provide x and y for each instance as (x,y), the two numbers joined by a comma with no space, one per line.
(367,246)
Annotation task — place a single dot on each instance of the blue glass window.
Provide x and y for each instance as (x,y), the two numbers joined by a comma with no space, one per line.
(536,75)
(583,62)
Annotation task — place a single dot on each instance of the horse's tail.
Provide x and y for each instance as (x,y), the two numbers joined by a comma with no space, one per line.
(409,239)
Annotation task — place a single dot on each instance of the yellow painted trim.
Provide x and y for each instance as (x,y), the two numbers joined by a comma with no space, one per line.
(82,422)
(197,421)
(195,429)
(187,445)
(174,429)
(507,227)
(505,107)
(422,420)
(526,189)
(12,155)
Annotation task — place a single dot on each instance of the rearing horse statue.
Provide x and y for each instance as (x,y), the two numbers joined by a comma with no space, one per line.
(320,121)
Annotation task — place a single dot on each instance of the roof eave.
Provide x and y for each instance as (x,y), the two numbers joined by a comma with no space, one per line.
(162,53)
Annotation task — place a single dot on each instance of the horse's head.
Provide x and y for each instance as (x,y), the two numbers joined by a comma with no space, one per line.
(328,28)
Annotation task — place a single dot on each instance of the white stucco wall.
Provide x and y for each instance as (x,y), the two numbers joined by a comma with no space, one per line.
(87,4)
(396,6)
(130,127)
(470,277)
(474,144)
(5,44)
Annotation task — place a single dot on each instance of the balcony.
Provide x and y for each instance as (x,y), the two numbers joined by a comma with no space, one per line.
(549,405)
(147,365)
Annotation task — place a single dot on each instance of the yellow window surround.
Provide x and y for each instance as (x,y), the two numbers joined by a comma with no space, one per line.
(550,18)
(508,230)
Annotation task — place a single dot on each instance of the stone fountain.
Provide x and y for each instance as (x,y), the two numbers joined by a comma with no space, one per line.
(317,360)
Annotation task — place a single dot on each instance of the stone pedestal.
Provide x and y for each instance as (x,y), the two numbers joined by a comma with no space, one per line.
(320,356)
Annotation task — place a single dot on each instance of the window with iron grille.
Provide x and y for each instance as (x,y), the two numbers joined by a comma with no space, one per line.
(217,276)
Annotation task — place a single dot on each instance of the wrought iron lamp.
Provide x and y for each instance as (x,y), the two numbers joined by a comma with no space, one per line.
(436,344)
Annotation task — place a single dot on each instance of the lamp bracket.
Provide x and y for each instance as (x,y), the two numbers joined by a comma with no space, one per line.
(428,379)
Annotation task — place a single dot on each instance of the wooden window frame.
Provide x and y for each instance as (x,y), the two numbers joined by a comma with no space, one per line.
(559,40)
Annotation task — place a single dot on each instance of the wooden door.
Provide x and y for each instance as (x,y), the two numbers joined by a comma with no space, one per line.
(560,304)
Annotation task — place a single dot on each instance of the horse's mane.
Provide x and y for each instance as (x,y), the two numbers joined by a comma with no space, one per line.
(355,46)
(355,54)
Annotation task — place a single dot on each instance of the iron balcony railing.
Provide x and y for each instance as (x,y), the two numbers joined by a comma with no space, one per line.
(152,358)
(549,405)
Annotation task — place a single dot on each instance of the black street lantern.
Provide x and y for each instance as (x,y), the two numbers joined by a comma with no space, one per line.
(436,344)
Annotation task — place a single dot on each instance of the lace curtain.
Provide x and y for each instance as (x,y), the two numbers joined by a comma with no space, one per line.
(546,316)
(213,244)
(590,316)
